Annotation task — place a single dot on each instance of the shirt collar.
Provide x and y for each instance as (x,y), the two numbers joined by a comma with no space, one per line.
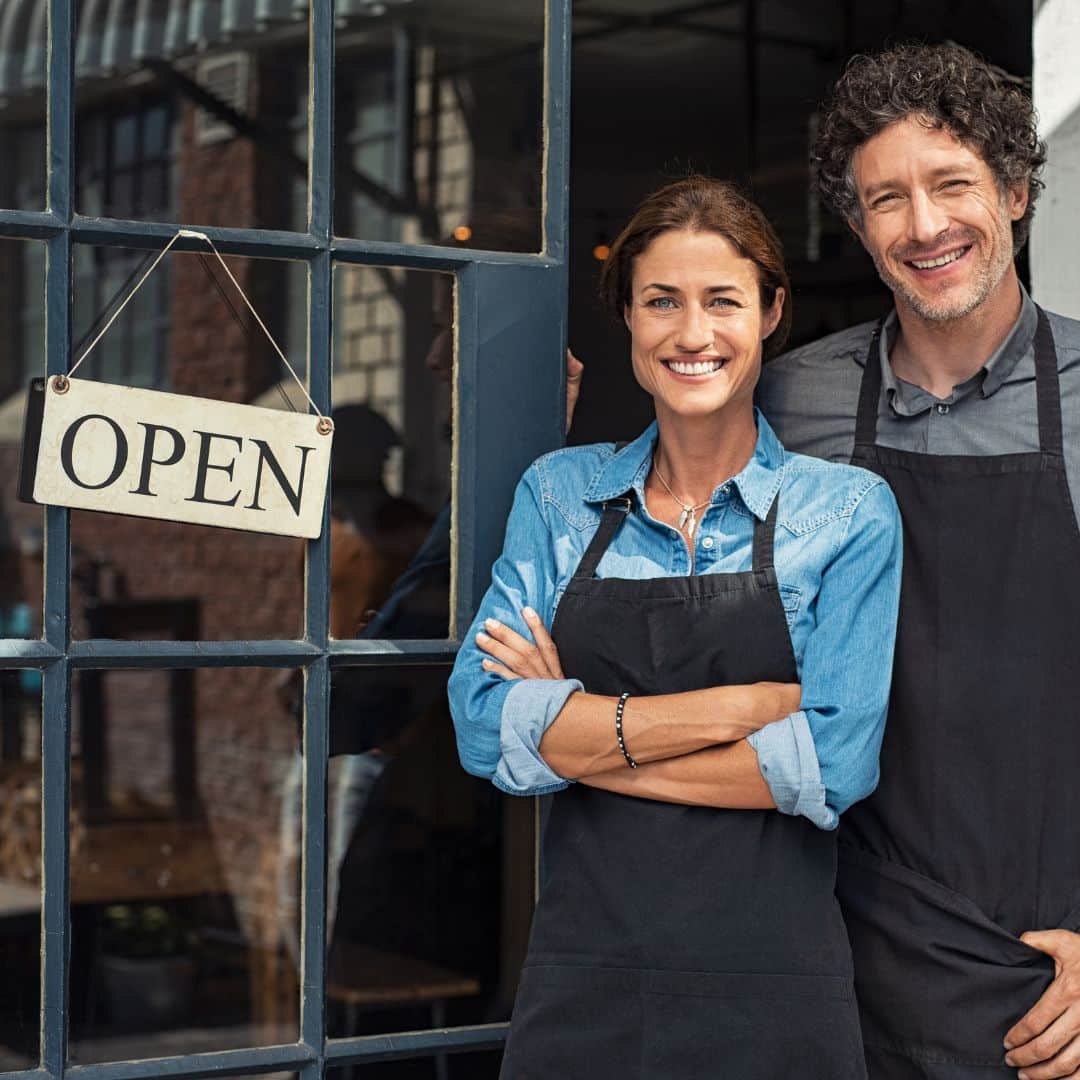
(992,374)
(757,483)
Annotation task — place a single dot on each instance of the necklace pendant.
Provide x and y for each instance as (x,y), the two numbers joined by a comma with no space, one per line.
(683,517)
(691,521)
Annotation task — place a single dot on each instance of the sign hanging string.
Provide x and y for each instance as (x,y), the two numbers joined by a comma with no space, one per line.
(192,234)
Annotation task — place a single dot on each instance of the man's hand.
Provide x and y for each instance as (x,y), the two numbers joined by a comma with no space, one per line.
(575,369)
(1046,1041)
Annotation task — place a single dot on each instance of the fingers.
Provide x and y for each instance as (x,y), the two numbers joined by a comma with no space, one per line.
(518,653)
(1037,1019)
(543,642)
(498,669)
(1055,1038)
(1062,1065)
(522,659)
(575,369)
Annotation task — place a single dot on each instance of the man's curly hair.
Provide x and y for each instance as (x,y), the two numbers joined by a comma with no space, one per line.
(952,88)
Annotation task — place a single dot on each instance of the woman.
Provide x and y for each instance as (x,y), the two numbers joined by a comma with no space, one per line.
(686,925)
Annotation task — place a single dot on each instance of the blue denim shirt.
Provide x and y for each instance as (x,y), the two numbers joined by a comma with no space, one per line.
(837,557)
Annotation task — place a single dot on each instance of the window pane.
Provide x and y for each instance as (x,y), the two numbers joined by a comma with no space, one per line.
(20,867)
(184,922)
(22,357)
(137,578)
(192,112)
(431,869)
(475,1066)
(439,112)
(390,530)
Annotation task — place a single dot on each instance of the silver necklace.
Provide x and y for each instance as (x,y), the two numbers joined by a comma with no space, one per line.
(688,517)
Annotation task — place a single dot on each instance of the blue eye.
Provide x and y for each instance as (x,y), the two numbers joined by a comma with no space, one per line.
(665,303)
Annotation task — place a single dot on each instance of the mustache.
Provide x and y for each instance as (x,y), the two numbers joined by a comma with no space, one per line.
(957,238)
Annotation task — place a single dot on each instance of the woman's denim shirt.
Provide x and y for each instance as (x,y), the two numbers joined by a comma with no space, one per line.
(837,557)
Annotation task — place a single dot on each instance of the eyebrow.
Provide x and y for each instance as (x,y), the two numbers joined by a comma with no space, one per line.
(935,174)
(675,289)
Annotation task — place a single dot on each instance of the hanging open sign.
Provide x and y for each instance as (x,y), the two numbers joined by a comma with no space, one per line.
(97,446)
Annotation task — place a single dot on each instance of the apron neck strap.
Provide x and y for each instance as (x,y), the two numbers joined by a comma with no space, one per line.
(869,393)
(615,511)
(1046,384)
(764,536)
(1047,389)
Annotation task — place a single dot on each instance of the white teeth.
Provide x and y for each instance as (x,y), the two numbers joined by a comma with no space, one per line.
(699,367)
(928,264)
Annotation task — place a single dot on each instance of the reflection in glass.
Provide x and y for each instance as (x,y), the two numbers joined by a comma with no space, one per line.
(23,51)
(390,476)
(22,357)
(20,867)
(186,331)
(179,928)
(439,121)
(431,869)
(192,112)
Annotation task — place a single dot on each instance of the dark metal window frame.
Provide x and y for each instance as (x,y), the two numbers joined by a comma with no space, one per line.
(508,408)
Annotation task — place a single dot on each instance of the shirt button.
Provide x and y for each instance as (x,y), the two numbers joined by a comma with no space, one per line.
(707,543)
(942,410)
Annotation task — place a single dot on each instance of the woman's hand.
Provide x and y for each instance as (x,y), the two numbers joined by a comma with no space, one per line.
(512,656)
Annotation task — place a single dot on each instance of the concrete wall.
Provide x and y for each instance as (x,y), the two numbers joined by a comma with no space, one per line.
(1055,241)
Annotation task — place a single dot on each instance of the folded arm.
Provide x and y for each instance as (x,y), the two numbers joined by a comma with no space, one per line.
(719,776)
(531,729)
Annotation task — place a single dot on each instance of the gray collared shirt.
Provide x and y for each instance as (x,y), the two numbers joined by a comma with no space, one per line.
(811,395)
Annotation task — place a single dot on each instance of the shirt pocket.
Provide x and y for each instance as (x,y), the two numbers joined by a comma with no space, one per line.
(791,598)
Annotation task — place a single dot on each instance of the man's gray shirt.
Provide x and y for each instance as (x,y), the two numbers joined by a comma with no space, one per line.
(811,394)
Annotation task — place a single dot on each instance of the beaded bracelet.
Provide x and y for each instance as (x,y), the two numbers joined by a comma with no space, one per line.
(618,730)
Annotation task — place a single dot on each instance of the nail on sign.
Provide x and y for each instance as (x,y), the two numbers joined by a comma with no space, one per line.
(97,446)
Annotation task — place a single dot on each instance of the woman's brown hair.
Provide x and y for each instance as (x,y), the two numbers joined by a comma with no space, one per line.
(701,204)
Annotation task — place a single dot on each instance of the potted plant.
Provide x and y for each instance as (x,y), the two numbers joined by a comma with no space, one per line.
(148,972)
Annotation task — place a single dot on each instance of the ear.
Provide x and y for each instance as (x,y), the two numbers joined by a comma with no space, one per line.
(626,316)
(1016,198)
(771,317)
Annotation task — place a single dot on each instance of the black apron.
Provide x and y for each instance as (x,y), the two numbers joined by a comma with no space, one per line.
(675,941)
(972,835)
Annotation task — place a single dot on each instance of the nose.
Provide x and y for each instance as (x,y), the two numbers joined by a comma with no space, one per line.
(928,220)
(695,330)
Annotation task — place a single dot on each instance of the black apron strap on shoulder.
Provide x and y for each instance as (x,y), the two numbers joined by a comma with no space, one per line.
(1047,389)
(870,393)
(764,535)
(615,511)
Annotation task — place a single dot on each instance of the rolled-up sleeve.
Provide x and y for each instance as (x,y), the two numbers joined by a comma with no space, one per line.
(819,761)
(788,761)
(500,723)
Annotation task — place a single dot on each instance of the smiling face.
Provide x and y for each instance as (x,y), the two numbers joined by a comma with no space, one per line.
(934,220)
(697,324)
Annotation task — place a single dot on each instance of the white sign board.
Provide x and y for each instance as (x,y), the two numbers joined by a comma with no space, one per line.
(150,454)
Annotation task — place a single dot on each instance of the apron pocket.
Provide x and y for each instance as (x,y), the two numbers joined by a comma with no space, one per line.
(575,1022)
(754,1027)
(935,977)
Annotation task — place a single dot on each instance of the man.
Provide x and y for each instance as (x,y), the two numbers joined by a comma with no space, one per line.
(960,876)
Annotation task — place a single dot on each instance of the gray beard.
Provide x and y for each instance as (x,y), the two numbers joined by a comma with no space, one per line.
(989,277)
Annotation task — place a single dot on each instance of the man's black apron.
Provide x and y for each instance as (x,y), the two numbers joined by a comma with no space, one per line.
(675,941)
(972,835)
